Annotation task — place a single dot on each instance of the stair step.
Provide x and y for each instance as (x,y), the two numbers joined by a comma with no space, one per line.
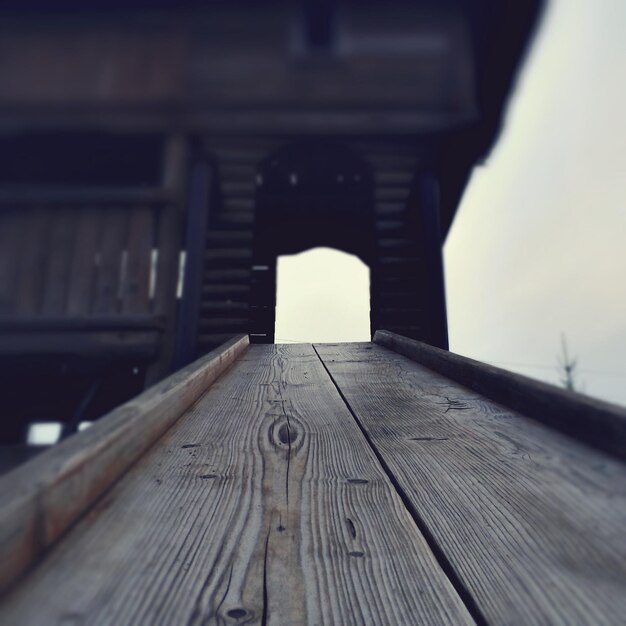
(390,227)
(234,188)
(234,219)
(399,261)
(390,209)
(228,254)
(394,177)
(233,204)
(226,238)
(391,193)
(396,243)
(221,276)
(229,291)
(224,306)
(237,171)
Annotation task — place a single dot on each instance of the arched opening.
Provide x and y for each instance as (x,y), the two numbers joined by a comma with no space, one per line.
(322,295)
(309,194)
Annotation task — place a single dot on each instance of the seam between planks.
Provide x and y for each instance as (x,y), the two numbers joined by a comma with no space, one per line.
(444,563)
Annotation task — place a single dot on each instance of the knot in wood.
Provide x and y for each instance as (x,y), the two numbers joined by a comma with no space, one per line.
(286,433)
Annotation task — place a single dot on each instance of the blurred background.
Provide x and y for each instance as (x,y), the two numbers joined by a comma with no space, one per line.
(304,171)
(536,251)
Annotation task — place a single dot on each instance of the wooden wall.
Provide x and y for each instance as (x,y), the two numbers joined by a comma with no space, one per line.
(220,64)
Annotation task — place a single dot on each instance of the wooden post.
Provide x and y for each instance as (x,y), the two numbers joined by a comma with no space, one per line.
(169,237)
(198,207)
(427,197)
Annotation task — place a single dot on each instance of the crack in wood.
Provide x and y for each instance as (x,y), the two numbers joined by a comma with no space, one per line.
(454,405)
(428,438)
(351,528)
(265,593)
(444,563)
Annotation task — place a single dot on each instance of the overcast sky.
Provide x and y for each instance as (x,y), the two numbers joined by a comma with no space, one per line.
(539,243)
(538,246)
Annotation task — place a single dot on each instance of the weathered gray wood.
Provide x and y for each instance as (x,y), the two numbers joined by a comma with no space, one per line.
(593,421)
(531,521)
(79,196)
(169,243)
(83,268)
(112,245)
(135,289)
(10,229)
(34,242)
(138,345)
(58,262)
(264,506)
(81,323)
(41,499)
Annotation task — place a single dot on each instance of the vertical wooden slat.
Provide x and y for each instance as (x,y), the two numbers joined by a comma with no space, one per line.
(9,246)
(113,242)
(83,267)
(432,244)
(57,270)
(169,240)
(135,289)
(32,269)
(198,207)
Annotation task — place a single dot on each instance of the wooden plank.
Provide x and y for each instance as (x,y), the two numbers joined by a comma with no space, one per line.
(112,246)
(202,193)
(78,197)
(169,244)
(139,346)
(593,421)
(141,235)
(83,268)
(40,500)
(58,262)
(264,506)
(81,323)
(531,522)
(34,242)
(10,229)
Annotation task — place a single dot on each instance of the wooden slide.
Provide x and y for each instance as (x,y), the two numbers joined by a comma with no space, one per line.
(325,484)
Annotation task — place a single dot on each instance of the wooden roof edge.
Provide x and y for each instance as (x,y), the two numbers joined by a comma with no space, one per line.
(594,422)
(42,498)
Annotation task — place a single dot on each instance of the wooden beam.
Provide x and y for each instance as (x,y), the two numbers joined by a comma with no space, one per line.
(426,195)
(40,500)
(197,216)
(80,196)
(597,423)
(81,323)
(169,240)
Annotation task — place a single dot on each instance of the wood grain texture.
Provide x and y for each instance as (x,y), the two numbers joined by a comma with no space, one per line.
(135,288)
(10,240)
(264,505)
(42,498)
(112,245)
(34,241)
(58,262)
(531,521)
(593,421)
(83,266)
